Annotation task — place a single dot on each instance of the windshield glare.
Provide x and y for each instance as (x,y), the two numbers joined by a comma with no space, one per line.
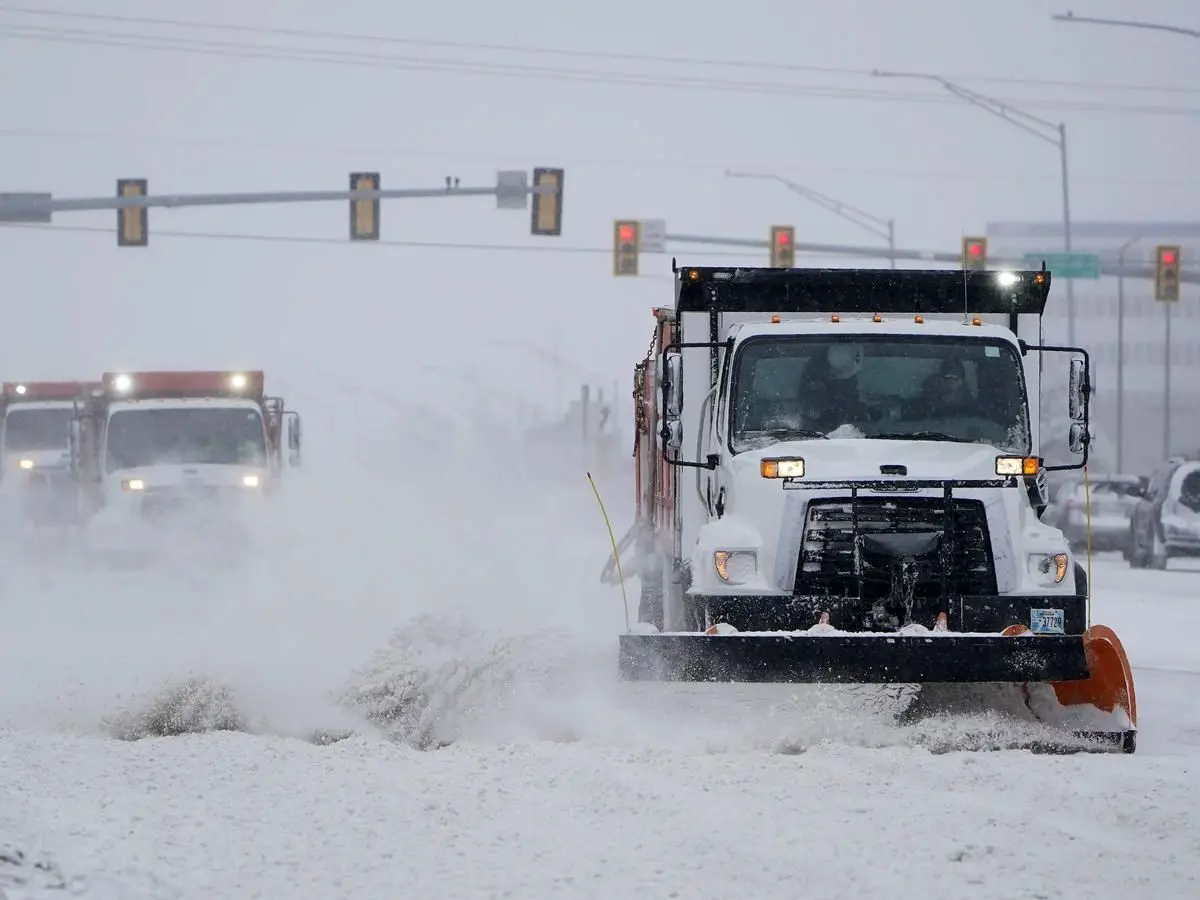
(145,437)
(922,388)
(38,429)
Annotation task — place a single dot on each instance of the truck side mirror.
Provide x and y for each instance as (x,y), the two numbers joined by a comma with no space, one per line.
(1077,388)
(673,386)
(1078,438)
(293,439)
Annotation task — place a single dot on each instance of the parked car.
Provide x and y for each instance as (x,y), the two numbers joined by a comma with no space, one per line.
(1166,521)
(1113,500)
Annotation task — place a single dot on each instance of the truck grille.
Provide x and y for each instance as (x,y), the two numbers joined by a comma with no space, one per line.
(829,564)
(193,500)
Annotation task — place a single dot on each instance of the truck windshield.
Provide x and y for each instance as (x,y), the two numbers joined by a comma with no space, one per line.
(917,387)
(37,429)
(200,436)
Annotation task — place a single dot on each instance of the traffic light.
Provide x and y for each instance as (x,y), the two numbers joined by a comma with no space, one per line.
(627,242)
(974,253)
(133,222)
(783,247)
(547,208)
(1166,273)
(364,214)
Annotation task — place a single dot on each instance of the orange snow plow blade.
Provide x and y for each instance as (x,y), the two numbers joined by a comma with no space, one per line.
(1108,687)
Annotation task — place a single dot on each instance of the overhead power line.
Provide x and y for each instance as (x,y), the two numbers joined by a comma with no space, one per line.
(658,59)
(239,50)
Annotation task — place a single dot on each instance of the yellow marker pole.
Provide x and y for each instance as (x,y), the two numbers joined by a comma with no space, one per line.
(613,540)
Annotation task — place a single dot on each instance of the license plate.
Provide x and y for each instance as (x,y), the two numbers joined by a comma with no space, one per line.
(1047,621)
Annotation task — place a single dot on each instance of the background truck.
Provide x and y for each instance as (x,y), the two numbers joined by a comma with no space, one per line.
(839,479)
(161,447)
(35,474)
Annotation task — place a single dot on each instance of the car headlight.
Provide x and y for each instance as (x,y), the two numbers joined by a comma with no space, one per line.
(735,566)
(1048,568)
(251,481)
(26,464)
(133,484)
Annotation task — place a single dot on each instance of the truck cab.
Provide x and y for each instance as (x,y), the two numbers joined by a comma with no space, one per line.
(160,447)
(855,448)
(35,454)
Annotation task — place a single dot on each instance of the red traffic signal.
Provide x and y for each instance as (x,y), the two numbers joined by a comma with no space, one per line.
(1166,273)
(783,247)
(627,244)
(974,252)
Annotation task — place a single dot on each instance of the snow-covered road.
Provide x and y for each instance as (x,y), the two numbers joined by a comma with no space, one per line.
(556,783)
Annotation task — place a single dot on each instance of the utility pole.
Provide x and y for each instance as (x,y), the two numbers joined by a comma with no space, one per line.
(1121,350)
(884,228)
(1039,128)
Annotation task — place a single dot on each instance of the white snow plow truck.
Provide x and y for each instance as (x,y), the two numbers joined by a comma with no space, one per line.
(839,480)
(156,451)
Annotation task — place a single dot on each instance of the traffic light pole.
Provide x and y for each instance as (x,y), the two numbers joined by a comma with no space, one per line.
(21,208)
(1167,380)
(1106,269)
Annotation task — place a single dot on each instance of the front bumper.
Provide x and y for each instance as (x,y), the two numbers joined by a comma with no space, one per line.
(841,658)
(987,614)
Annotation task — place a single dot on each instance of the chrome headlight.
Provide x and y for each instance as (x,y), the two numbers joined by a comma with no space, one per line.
(1048,568)
(735,566)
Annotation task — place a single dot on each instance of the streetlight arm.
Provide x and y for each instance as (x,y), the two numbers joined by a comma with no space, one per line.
(1023,120)
(873,224)
(1120,23)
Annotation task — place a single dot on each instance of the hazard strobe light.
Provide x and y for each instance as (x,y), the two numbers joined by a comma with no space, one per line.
(141,385)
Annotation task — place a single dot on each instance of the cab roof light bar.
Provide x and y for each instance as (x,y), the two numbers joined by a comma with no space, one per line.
(236,383)
(907,291)
(47,390)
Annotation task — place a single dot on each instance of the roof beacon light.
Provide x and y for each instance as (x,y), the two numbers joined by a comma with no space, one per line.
(122,383)
(238,381)
(20,389)
(1007,279)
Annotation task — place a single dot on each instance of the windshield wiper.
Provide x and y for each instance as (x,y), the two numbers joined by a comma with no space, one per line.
(921,436)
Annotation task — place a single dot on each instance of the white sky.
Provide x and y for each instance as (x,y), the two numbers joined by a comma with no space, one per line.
(75,117)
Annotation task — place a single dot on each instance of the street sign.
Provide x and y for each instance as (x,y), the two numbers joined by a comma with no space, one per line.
(654,236)
(11,207)
(1066,265)
(512,190)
